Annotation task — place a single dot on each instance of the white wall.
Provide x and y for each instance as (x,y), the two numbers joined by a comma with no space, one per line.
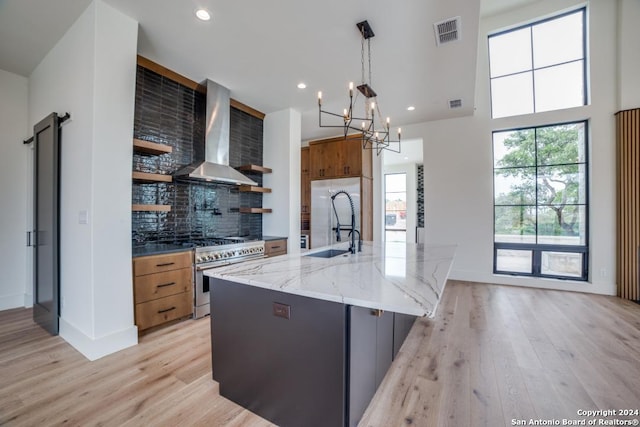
(14,173)
(458,159)
(629,54)
(90,73)
(281,152)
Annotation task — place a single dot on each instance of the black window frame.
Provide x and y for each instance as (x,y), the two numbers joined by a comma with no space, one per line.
(585,100)
(536,248)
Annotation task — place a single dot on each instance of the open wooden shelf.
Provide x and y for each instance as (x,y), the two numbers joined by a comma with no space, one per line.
(151,177)
(255,210)
(254,189)
(254,168)
(151,208)
(148,147)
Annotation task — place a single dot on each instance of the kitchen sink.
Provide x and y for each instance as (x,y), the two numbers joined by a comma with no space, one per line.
(329,253)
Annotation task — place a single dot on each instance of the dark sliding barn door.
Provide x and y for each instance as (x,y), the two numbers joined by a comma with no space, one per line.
(46,135)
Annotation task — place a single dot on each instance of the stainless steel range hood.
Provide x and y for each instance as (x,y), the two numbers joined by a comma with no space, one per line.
(215,167)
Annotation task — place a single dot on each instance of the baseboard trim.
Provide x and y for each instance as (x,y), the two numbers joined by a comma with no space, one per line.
(534,282)
(95,348)
(8,302)
(28,300)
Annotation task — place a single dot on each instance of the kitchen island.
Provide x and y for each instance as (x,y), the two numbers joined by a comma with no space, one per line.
(306,340)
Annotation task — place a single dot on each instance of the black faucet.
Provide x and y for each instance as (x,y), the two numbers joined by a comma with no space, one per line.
(352,228)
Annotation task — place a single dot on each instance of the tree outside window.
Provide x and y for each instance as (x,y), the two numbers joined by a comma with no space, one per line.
(540,200)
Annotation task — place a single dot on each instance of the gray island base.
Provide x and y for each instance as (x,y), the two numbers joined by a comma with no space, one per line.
(300,360)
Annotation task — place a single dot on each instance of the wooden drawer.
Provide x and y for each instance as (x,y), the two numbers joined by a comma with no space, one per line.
(275,247)
(159,285)
(159,263)
(161,310)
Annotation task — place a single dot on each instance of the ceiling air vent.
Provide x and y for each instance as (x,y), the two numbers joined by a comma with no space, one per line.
(448,30)
(455,103)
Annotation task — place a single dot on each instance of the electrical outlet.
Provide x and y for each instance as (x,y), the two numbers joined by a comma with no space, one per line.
(603,272)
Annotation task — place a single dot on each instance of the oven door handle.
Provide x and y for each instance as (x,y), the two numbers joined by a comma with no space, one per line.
(210,266)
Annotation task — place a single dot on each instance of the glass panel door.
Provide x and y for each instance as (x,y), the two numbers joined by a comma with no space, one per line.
(395,214)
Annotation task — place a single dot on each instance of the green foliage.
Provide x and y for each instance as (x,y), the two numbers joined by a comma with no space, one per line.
(556,154)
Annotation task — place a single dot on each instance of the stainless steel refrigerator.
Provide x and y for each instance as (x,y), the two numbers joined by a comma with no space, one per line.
(323,217)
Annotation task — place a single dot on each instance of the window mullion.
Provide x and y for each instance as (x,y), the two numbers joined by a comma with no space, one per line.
(535,159)
(533,74)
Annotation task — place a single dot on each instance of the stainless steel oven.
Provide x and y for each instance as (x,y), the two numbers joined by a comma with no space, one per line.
(214,254)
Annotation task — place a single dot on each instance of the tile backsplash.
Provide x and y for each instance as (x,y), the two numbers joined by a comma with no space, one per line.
(169,113)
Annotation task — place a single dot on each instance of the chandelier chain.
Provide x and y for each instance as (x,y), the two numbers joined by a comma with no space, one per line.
(362,57)
(369,48)
(375,132)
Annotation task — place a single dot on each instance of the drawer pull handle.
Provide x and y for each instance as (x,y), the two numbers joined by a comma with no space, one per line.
(275,247)
(166,284)
(164,264)
(164,311)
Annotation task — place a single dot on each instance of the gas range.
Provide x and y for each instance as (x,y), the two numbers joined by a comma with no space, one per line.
(213,253)
(218,252)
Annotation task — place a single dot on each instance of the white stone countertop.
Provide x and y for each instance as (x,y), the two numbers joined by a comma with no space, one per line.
(399,277)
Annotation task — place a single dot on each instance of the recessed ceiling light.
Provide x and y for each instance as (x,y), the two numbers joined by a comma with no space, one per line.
(302,85)
(406,158)
(203,14)
(411,108)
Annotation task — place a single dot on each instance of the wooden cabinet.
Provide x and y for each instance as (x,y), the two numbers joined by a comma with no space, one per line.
(304,160)
(162,288)
(323,159)
(149,148)
(275,247)
(305,192)
(339,158)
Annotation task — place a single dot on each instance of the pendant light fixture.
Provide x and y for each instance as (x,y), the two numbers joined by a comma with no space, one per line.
(373,138)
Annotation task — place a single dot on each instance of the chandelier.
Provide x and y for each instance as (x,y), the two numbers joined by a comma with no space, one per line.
(375,132)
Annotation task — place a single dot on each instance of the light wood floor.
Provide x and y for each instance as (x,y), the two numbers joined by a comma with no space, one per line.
(492,354)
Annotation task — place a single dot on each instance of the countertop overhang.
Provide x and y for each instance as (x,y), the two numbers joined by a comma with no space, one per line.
(399,277)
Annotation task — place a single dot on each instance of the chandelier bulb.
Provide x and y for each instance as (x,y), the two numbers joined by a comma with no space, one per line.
(373,105)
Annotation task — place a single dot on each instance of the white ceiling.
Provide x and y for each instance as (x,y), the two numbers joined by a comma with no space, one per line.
(262,50)
(411,152)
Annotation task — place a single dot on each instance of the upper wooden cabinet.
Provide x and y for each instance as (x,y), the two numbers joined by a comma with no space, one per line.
(339,158)
(305,190)
(304,160)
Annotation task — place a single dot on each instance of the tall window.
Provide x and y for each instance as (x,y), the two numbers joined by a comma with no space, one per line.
(539,67)
(395,211)
(540,201)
